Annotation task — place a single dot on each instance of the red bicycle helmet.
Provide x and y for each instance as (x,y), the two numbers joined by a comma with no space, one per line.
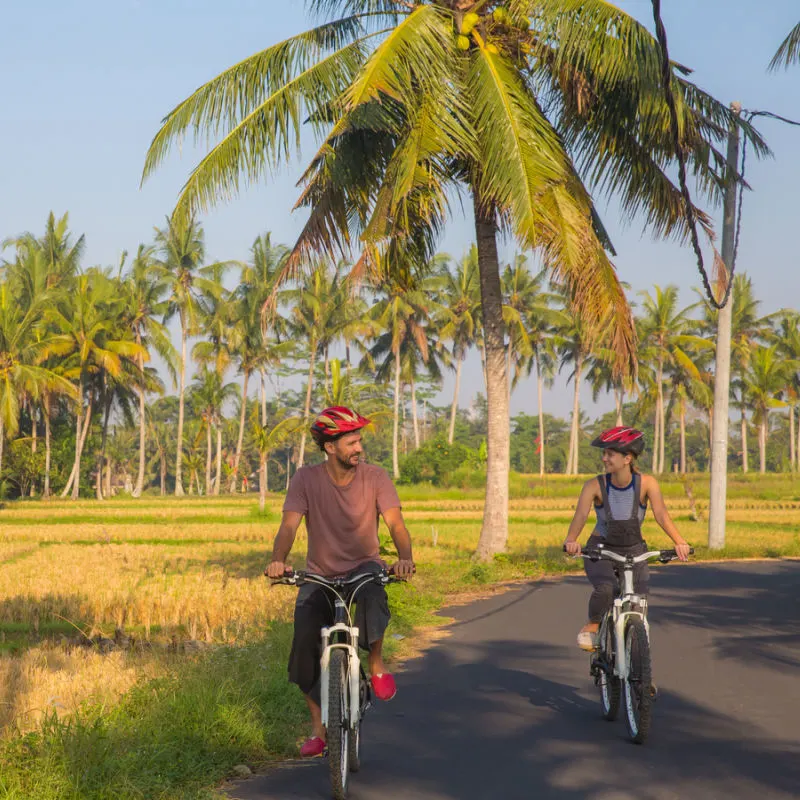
(335,422)
(622,439)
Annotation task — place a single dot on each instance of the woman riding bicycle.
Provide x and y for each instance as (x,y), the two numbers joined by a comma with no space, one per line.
(620,498)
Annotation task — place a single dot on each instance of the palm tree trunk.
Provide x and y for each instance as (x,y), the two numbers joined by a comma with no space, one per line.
(744,442)
(307,411)
(539,383)
(2,443)
(46,490)
(508,367)
(76,484)
(797,448)
(209,454)
(414,419)
(573,465)
(262,481)
(791,438)
(619,396)
(494,531)
(163,465)
(34,436)
(218,477)
(327,372)
(683,436)
(137,490)
(661,417)
(454,408)
(395,442)
(263,400)
(762,445)
(101,459)
(181,400)
(242,415)
(288,468)
(656,439)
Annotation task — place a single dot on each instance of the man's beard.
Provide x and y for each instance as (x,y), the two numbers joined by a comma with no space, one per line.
(348,464)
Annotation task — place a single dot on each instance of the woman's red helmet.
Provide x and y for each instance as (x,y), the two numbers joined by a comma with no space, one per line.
(622,439)
(335,422)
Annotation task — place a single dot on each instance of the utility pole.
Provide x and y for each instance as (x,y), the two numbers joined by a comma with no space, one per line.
(722,372)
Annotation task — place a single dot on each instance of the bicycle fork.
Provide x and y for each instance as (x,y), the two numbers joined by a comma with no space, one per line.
(621,668)
(353,666)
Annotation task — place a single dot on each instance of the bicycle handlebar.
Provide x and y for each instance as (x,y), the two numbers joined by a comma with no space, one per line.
(600,552)
(299,577)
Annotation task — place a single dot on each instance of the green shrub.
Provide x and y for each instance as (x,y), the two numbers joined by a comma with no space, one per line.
(435,460)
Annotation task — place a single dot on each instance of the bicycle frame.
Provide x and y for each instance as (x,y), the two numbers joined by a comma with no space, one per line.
(623,608)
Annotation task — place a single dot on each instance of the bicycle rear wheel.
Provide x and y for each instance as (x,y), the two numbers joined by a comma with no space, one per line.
(607,682)
(638,696)
(338,723)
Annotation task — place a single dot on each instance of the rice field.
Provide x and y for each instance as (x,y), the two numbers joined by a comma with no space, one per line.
(96,597)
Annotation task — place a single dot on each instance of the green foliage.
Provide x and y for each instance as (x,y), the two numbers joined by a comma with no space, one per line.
(435,460)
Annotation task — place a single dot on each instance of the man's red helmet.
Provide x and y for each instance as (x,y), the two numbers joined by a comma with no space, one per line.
(335,422)
(622,439)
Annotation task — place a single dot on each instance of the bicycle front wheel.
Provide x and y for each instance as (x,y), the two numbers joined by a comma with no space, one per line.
(637,686)
(607,682)
(338,723)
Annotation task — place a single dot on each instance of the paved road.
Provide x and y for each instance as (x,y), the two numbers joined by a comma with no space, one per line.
(504,707)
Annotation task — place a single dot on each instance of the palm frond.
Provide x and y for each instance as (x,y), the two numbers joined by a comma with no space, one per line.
(789,51)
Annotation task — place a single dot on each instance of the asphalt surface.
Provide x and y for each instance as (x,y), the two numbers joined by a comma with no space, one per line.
(504,707)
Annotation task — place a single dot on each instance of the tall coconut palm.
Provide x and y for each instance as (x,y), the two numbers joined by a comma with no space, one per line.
(269,439)
(182,249)
(260,275)
(458,318)
(143,305)
(89,335)
(665,329)
(417,98)
(748,331)
(575,339)
(400,312)
(22,352)
(209,393)
(787,342)
(764,383)
(312,303)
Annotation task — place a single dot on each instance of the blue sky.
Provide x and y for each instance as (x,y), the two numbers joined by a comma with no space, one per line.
(84,84)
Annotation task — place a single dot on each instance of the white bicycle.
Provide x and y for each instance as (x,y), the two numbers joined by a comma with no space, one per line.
(621,665)
(345,691)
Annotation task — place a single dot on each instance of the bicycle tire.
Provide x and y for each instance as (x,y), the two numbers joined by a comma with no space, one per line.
(338,721)
(638,698)
(608,683)
(354,741)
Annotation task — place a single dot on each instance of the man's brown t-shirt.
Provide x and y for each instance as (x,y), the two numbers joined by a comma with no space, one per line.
(342,521)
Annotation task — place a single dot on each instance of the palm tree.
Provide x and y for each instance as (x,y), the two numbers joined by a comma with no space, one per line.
(575,339)
(182,248)
(89,335)
(312,305)
(787,341)
(417,100)
(21,353)
(459,317)
(143,295)
(789,51)
(208,395)
(268,440)
(748,330)
(260,275)
(764,383)
(665,330)
(401,313)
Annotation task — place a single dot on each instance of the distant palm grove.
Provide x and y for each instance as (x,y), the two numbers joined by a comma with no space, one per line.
(86,412)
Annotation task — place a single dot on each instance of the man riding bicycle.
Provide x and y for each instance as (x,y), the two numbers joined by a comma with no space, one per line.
(341,500)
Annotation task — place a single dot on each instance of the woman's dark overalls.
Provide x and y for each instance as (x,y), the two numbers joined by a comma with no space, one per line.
(623,536)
